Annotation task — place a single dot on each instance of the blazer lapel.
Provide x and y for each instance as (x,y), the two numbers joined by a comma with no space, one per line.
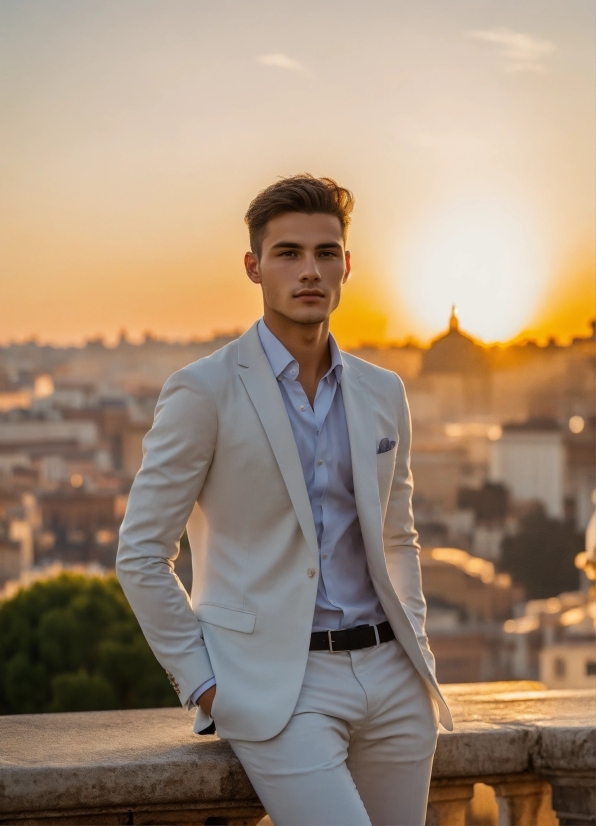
(363,447)
(261,386)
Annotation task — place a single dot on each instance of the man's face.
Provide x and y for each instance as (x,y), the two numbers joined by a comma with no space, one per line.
(302,267)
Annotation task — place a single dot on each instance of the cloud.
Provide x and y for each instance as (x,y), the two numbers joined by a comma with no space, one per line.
(281,61)
(521,52)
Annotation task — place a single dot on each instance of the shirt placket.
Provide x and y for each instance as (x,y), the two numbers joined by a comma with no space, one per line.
(323,402)
(316,417)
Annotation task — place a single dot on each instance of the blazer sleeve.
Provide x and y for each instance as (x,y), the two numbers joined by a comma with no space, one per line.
(177,454)
(399,534)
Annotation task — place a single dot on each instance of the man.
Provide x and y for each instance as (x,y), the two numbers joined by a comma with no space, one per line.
(289,463)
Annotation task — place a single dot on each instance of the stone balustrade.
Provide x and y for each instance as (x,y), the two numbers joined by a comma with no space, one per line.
(519,756)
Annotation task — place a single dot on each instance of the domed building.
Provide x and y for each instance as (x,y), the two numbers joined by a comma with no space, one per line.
(455,352)
(459,371)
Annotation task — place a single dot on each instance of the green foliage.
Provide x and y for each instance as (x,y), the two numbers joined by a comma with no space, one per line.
(73,644)
(541,556)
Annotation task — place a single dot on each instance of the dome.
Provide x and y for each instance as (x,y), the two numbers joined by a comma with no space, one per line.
(455,352)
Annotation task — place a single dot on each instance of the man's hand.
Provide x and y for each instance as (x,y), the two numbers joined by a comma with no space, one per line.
(206,699)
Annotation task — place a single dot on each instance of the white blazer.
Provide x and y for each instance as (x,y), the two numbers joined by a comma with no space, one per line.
(221,460)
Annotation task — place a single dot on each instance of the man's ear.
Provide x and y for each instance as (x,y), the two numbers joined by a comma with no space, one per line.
(251,265)
(348,268)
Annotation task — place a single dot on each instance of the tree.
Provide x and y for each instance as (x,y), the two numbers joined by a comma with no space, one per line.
(72,643)
(541,555)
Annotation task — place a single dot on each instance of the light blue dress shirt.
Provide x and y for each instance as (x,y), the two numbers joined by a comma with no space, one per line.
(345,595)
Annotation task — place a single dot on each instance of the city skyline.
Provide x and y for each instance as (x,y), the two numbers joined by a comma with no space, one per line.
(137,134)
(137,339)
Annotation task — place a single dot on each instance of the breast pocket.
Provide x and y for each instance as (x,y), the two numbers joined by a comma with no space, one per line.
(387,459)
(234,619)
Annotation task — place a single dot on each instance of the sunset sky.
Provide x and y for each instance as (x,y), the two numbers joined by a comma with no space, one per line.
(135,133)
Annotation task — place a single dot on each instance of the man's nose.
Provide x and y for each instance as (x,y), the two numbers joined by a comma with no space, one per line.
(310,271)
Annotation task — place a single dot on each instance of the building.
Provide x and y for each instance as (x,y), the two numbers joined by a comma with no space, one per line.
(569,666)
(580,452)
(554,640)
(467,602)
(10,557)
(438,468)
(19,521)
(458,369)
(46,436)
(78,525)
(529,459)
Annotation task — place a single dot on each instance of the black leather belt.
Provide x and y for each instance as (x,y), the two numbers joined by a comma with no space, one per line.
(351,639)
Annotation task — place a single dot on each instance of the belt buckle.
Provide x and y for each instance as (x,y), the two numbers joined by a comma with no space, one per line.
(330,640)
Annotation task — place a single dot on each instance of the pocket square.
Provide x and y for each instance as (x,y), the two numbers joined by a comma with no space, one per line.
(385,445)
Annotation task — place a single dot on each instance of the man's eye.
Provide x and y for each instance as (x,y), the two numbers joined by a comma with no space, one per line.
(327,254)
(289,253)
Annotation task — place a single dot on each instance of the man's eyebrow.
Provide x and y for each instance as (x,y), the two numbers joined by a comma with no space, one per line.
(292,245)
(288,245)
(329,245)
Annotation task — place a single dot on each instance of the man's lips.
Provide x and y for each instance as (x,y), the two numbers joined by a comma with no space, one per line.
(310,294)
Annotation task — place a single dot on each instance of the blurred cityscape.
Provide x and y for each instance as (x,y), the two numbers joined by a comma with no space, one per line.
(503,457)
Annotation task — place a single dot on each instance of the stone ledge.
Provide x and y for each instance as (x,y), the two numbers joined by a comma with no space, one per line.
(57,762)
(83,765)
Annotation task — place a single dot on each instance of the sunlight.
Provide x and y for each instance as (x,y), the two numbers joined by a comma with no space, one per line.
(481,257)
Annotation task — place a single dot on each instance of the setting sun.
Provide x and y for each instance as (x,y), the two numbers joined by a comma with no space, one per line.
(481,256)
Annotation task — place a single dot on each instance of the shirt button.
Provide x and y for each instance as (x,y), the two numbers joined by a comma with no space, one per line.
(301,407)
(324,556)
(311,572)
(320,462)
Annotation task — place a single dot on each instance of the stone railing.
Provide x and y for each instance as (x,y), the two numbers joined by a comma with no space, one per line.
(518,755)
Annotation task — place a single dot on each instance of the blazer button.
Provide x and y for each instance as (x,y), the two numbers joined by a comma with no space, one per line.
(311,572)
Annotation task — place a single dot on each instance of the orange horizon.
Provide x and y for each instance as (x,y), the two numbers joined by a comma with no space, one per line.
(565,312)
(540,336)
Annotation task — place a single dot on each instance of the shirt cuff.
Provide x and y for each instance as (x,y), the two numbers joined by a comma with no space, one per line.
(194,697)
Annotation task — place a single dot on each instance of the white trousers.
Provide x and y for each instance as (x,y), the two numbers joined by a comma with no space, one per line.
(358,748)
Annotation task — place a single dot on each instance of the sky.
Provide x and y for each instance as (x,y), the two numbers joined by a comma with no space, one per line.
(134,133)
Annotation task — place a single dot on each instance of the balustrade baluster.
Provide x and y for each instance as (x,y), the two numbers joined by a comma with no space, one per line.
(520,800)
(574,798)
(447,803)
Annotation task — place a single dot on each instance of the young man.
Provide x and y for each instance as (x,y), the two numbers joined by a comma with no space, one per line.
(289,463)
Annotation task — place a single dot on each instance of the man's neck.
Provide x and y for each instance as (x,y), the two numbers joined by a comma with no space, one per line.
(307,343)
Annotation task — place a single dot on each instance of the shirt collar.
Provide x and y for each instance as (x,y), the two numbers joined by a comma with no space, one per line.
(283,362)
(337,364)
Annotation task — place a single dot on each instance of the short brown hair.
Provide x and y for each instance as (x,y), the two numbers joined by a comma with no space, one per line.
(299,193)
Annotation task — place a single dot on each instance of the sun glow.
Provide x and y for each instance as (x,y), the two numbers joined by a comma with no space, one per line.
(480,256)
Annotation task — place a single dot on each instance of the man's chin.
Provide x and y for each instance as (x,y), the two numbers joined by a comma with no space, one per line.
(309,320)
(307,315)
